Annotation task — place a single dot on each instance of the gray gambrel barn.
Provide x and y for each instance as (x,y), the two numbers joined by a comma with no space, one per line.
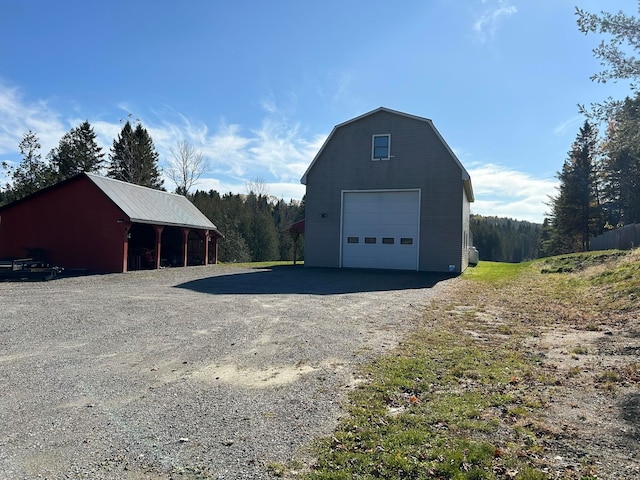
(386,191)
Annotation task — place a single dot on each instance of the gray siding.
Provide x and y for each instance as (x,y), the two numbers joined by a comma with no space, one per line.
(466,230)
(420,160)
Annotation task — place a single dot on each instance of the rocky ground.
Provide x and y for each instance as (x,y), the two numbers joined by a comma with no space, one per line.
(224,373)
(213,372)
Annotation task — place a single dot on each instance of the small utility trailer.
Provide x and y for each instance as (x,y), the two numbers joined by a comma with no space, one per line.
(27,269)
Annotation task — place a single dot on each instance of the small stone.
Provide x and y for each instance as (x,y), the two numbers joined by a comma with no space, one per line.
(227,443)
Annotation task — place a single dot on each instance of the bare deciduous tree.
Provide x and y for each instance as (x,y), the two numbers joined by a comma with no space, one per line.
(187,166)
(257,187)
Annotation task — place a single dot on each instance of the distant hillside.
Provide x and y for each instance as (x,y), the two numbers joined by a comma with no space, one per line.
(500,239)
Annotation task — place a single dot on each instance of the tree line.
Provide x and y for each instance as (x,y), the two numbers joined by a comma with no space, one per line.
(599,182)
(253,224)
(599,185)
(133,158)
(501,239)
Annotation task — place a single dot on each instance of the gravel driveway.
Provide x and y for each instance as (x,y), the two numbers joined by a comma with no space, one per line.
(211,372)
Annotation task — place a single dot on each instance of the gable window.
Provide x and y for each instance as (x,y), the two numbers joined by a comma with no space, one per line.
(381,146)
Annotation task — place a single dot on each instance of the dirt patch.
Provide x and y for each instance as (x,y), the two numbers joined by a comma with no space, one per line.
(250,378)
(585,370)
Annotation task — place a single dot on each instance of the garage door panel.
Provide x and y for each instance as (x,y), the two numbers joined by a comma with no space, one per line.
(374,218)
(385,218)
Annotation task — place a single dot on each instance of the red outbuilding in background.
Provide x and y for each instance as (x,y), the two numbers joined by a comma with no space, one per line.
(97,224)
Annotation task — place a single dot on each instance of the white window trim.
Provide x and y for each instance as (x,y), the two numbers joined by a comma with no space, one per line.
(373,147)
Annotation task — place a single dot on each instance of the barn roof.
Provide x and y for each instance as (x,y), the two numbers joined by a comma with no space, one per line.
(141,204)
(466,179)
(147,205)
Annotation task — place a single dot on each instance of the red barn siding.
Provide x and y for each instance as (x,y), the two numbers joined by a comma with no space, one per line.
(75,224)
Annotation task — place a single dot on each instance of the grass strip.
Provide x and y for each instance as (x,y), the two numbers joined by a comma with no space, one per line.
(463,397)
(433,407)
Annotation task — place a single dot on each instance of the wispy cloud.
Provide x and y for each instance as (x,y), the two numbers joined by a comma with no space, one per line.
(504,192)
(569,126)
(275,150)
(18,115)
(493,14)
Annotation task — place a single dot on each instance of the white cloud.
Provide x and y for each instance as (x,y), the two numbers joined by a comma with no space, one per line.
(503,192)
(17,116)
(492,16)
(276,151)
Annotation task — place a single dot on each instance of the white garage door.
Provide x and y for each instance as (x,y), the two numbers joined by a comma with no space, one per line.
(380,229)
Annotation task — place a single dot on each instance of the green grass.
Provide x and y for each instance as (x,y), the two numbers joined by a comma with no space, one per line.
(454,405)
(611,277)
(429,411)
(575,262)
(495,272)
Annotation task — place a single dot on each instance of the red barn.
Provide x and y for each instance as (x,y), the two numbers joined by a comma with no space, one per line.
(98,224)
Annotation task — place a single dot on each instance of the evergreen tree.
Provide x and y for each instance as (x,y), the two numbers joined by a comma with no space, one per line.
(504,239)
(621,172)
(225,212)
(260,230)
(618,55)
(545,242)
(32,174)
(576,215)
(134,159)
(77,152)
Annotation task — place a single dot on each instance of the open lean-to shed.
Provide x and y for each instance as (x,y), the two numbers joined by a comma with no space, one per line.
(93,223)
(386,191)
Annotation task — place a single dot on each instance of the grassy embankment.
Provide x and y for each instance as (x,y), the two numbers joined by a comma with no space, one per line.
(458,398)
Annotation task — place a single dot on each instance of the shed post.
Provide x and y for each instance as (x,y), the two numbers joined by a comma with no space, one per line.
(207,239)
(185,246)
(125,229)
(295,235)
(158,229)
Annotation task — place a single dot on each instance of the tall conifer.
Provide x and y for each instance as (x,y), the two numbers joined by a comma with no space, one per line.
(134,159)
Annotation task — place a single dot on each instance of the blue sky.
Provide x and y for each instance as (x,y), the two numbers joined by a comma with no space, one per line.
(257,86)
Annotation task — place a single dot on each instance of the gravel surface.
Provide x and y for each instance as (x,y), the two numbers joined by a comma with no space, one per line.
(199,372)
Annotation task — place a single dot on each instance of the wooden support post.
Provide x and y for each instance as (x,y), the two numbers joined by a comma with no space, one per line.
(158,229)
(207,239)
(125,228)
(295,236)
(185,246)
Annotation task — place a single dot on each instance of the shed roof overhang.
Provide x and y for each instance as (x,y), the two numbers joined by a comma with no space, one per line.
(297,227)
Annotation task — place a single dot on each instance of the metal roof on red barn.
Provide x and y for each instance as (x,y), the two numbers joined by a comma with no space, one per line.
(142,204)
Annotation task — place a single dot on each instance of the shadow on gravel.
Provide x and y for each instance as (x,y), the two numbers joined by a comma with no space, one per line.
(314,281)
(630,411)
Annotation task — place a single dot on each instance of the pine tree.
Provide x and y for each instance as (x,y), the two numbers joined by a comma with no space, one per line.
(77,152)
(618,54)
(134,159)
(576,215)
(621,172)
(32,174)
